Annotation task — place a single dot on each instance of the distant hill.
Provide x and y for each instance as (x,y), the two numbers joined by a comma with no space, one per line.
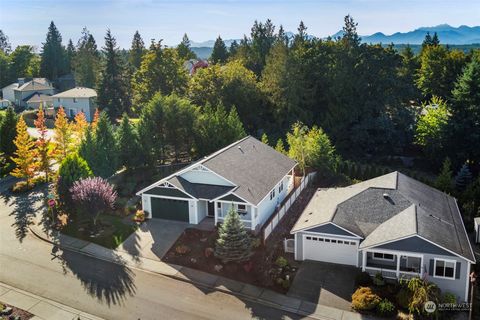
(447,34)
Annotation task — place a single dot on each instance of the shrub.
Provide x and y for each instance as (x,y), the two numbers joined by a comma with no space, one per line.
(385,308)
(286,283)
(363,279)
(403,298)
(364,299)
(281,262)
(72,168)
(378,280)
(449,297)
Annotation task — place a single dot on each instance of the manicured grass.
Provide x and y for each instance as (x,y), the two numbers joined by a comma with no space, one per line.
(114,230)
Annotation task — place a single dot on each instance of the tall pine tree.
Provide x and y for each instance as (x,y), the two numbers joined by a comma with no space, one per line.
(127,144)
(184,50)
(53,55)
(8,132)
(112,91)
(87,60)
(219,53)
(136,51)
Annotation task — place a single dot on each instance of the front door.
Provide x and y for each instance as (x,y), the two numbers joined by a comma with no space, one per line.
(211,209)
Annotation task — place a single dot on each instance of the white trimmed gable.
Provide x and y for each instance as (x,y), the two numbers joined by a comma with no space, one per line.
(203,175)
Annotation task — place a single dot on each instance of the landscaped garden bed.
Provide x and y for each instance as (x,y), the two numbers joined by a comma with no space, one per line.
(269,266)
(13,313)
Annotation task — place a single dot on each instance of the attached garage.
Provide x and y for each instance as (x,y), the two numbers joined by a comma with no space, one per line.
(330,249)
(170,209)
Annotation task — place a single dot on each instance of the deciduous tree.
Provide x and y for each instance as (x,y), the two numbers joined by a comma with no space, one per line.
(25,154)
(43,145)
(63,135)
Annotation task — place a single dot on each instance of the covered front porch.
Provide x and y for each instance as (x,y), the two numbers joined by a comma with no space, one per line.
(392,264)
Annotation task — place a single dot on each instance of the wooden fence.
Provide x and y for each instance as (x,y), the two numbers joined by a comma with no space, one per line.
(286,204)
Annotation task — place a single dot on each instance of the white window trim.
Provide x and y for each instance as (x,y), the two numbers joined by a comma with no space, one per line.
(383,259)
(444,260)
(241,210)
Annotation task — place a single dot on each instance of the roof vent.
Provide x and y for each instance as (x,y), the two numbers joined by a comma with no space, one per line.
(386,195)
(240,148)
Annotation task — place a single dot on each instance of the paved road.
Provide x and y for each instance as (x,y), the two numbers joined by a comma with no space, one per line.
(102,288)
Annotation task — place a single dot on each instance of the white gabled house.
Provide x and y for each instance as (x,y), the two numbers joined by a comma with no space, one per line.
(77,100)
(248,174)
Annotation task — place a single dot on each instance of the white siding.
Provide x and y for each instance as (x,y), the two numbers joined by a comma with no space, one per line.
(267,206)
(201,210)
(204,177)
(147,206)
(72,108)
(7,92)
(192,211)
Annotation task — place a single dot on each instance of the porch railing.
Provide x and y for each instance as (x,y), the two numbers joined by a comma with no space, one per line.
(391,274)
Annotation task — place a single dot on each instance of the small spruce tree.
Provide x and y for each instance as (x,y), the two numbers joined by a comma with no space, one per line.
(444,181)
(72,168)
(233,243)
(463,177)
(8,131)
(127,144)
(280,147)
(265,138)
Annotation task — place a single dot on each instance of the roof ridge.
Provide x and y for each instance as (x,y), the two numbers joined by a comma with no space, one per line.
(216,153)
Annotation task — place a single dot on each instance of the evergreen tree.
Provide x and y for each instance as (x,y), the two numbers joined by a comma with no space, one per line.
(8,131)
(232,51)
(87,60)
(25,155)
(234,244)
(350,36)
(21,61)
(444,181)
(435,40)
(280,146)
(5,45)
(265,138)
(69,57)
(427,41)
(219,52)
(105,162)
(127,144)
(136,51)
(86,149)
(160,71)
(43,144)
(53,55)
(184,50)
(63,135)
(262,39)
(112,92)
(463,177)
(5,72)
(72,168)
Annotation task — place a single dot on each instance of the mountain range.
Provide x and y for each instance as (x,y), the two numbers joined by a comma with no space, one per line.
(447,34)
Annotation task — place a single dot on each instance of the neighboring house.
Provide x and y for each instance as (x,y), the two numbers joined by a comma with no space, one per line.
(27,89)
(247,174)
(393,225)
(4,103)
(8,92)
(38,99)
(77,100)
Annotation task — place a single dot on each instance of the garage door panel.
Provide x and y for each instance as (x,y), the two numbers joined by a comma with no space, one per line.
(333,250)
(170,209)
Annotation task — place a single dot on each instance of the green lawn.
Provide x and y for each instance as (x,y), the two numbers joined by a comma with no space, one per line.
(113,233)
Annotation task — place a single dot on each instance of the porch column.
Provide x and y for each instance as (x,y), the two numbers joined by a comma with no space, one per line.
(364,260)
(398,265)
(214,212)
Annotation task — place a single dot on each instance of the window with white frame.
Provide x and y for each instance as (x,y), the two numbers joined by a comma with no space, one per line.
(444,269)
(383,256)
(242,209)
(74,100)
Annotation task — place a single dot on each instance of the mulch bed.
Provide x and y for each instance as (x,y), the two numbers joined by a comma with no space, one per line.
(17,313)
(261,270)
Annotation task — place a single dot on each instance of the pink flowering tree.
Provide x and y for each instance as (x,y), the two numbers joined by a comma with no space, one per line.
(93,195)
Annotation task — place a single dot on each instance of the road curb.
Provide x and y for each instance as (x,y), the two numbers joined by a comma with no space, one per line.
(186,280)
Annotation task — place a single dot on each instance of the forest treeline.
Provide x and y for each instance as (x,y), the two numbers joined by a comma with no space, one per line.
(369,99)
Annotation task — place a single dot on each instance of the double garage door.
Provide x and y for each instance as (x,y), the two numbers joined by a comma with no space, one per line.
(332,250)
(170,209)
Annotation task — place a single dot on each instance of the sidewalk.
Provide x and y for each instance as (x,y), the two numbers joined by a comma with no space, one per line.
(41,308)
(199,278)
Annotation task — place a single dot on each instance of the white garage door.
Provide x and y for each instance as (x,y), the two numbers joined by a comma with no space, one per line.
(332,250)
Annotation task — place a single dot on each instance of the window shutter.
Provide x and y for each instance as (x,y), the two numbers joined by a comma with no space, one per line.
(457,270)
(430,267)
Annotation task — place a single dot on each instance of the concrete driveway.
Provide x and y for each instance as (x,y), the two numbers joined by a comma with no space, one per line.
(153,239)
(324,283)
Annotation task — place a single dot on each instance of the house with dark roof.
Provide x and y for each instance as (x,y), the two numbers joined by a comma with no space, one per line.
(33,93)
(249,175)
(393,225)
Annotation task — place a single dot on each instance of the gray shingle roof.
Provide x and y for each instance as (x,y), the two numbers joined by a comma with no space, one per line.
(199,190)
(409,207)
(253,166)
(38,97)
(35,84)
(78,92)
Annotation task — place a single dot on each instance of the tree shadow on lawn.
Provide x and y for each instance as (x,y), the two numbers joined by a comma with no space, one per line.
(109,282)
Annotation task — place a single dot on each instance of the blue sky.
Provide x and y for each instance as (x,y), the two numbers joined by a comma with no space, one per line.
(26,21)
